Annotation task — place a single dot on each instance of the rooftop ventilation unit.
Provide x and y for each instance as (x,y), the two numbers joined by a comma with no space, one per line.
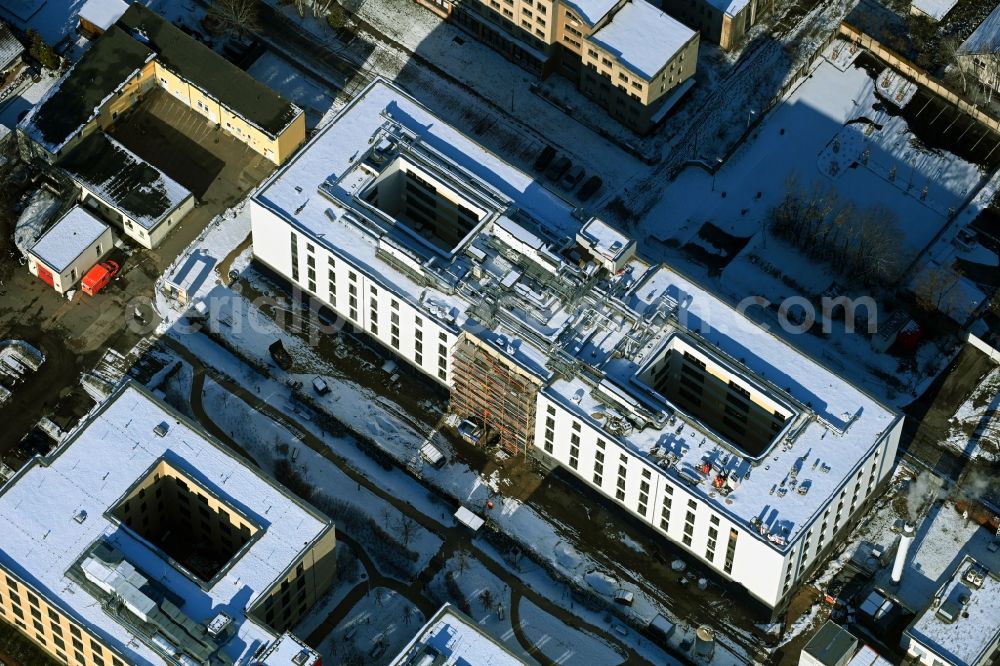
(219,624)
(161,429)
(80,516)
(975,577)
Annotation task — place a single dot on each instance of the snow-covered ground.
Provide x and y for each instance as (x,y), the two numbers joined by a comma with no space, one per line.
(30,94)
(975,428)
(562,644)
(471,579)
(803,138)
(268,442)
(374,631)
(294,84)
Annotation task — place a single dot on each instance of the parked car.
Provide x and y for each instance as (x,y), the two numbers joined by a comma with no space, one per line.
(544,158)
(320,386)
(572,177)
(590,186)
(558,168)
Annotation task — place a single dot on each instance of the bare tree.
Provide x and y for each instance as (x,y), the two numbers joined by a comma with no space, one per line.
(486,598)
(934,289)
(461,561)
(949,48)
(386,516)
(241,16)
(407,613)
(407,529)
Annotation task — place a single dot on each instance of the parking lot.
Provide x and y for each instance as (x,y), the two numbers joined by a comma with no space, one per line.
(73,333)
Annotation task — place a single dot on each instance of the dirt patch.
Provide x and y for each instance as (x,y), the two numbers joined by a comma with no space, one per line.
(715,247)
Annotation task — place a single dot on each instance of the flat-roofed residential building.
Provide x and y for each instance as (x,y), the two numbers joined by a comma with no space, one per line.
(550,332)
(140,540)
(961,626)
(636,61)
(70,248)
(723,22)
(142,201)
(452,638)
(616,38)
(142,51)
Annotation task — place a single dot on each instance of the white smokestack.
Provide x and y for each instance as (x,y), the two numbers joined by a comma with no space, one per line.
(905,539)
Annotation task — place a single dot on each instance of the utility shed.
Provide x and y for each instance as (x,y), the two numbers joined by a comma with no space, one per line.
(96,16)
(831,646)
(144,201)
(69,248)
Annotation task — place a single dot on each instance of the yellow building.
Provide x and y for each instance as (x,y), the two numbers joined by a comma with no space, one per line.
(647,57)
(637,62)
(141,540)
(142,50)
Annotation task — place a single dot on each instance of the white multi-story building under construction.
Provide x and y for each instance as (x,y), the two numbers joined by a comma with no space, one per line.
(549,330)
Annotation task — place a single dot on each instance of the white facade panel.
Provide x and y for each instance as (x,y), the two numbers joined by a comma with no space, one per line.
(422,341)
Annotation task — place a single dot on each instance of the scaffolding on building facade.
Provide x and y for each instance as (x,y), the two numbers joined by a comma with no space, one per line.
(490,387)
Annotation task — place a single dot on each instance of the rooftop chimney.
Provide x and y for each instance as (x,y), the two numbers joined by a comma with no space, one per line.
(905,539)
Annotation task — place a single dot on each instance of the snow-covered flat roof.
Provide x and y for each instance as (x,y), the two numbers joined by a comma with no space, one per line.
(729,7)
(933,9)
(68,238)
(519,285)
(451,638)
(123,180)
(643,37)
(591,11)
(103,13)
(55,509)
(963,623)
(836,430)
(986,38)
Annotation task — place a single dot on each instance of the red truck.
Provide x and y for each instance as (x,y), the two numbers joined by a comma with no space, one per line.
(99,276)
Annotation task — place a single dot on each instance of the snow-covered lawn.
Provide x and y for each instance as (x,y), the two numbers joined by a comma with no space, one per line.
(374,631)
(268,442)
(563,644)
(810,136)
(476,585)
(975,427)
